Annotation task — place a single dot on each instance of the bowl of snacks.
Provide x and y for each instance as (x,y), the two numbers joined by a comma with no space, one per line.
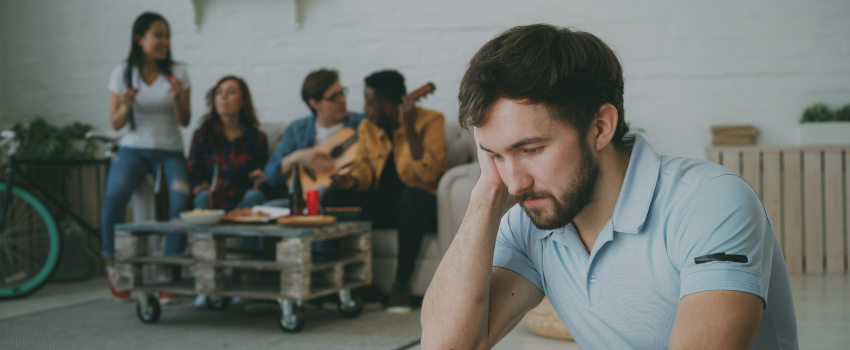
(202,216)
(343,213)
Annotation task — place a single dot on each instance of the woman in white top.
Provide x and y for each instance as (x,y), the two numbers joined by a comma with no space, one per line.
(150,96)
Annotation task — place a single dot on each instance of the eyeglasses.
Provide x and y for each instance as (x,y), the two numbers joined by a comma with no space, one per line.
(337,96)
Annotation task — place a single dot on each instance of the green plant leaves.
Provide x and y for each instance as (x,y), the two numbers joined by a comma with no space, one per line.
(41,140)
(820,112)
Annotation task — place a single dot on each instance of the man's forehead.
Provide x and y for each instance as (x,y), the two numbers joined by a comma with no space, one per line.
(511,121)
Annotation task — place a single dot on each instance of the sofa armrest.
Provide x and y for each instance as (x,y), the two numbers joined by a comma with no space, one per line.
(452,199)
(453,194)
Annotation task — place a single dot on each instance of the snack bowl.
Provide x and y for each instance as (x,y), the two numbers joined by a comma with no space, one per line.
(202,216)
(343,213)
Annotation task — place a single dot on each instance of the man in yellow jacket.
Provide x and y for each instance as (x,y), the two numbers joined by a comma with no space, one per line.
(402,153)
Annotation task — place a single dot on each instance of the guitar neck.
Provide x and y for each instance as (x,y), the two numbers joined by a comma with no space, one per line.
(422,91)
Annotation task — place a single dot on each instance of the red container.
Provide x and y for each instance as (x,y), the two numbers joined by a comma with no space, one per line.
(312,202)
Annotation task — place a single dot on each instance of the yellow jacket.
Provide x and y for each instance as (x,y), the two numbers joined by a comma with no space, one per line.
(374,146)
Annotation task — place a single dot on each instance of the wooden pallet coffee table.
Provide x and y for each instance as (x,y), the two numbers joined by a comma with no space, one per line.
(287,270)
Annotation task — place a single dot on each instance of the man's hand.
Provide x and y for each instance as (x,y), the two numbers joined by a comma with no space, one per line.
(407,111)
(490,177)
(176,86)
(316,160)
(343,182)
(203,186)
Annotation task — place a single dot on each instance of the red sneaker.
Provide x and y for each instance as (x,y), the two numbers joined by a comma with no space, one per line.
(119,295)
(168,298)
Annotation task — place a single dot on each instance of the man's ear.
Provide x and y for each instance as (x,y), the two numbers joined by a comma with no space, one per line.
(604,126)
(313,103)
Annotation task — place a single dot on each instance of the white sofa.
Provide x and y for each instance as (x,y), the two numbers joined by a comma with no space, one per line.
(452,198)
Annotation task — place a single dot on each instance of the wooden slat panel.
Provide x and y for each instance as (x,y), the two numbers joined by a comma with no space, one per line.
(792,223)
(772,191)
(847,200)
(732,160)
(813,211)
(751,170)
(833,211)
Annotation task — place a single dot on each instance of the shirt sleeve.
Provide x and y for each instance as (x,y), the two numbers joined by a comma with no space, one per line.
(723,240)
(180,72)
(361,169)
(434,161)
(512,250)
(116,80)
(287,145)
(196,165)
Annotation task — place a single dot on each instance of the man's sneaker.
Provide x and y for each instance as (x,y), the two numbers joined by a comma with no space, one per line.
(201,300)
(168,298)
(399,299)
(112,277)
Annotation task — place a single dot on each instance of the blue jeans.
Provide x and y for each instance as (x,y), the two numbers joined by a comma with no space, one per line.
(126,173)
(249,199)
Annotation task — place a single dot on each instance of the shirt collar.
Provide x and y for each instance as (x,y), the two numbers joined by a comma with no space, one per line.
(635,195)
(638,186)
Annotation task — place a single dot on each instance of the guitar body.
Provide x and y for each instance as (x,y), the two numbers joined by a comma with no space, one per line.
(348,155)
(342,149)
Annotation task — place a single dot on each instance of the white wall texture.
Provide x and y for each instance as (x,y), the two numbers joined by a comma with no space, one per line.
(688,65)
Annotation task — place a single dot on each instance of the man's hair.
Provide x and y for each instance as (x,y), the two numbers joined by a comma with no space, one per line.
(315,85)
(572,73)
(388,85)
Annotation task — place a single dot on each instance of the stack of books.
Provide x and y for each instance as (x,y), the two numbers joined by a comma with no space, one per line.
(734,134)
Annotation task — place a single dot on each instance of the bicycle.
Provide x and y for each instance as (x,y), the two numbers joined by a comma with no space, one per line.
(30,243)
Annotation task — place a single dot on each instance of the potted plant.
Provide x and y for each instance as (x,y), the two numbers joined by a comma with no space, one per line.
(823,126)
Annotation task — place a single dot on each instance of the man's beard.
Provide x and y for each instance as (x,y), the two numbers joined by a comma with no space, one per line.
(571,201)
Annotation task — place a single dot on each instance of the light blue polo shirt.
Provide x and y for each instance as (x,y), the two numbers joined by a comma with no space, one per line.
(625,293)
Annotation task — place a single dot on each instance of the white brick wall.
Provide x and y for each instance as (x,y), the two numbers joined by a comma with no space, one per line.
(688,64)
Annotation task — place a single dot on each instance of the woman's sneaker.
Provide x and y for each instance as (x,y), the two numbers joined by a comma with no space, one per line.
(112,277)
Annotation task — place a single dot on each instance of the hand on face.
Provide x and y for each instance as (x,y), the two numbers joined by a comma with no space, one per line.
(343,182)
(489,173)
(407,111)
(176,86)
(128,98)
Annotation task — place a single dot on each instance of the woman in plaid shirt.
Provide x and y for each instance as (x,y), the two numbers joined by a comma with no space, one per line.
(229,139)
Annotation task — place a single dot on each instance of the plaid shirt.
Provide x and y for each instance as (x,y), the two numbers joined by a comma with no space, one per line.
(235,160)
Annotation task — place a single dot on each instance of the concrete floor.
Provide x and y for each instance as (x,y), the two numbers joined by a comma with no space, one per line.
(822,304)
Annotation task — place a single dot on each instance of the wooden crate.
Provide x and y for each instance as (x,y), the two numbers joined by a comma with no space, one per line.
(287,268)
(806,192)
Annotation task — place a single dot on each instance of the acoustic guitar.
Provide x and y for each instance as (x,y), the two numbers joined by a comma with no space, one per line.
(341,148)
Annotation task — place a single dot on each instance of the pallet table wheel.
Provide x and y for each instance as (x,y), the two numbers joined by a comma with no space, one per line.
(349,306)
(291,316)
(147,308)
(218,303)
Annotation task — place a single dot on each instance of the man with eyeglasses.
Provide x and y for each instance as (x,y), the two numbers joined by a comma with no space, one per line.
(325,97)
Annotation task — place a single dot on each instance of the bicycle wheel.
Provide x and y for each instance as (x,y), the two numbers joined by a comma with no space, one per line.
(29,245)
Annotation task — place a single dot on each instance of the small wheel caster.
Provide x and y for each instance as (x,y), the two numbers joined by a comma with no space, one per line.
(350,309)
(291,318)
(218,303)
(148,309)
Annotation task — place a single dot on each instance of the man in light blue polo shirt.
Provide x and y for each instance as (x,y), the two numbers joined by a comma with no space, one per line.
(634,250)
